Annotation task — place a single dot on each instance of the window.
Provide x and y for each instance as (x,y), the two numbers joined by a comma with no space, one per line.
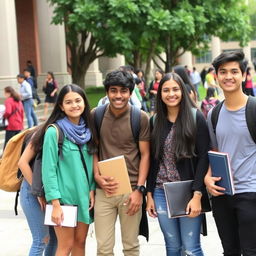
(253,54)
(204,58)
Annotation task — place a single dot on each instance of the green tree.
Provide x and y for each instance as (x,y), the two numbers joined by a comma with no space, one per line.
(94,28)
(193,22)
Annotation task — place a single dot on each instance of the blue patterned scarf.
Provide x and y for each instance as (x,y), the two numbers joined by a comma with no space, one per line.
(78,134)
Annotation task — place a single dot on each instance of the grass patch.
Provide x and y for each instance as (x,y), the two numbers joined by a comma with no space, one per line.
(94,94)
(202,92)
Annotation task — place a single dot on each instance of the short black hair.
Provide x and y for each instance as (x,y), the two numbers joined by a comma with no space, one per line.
(27,70)
(21,76)
(119,78)
(229,56)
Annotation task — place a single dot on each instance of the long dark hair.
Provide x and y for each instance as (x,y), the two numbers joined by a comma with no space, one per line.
(57,113)
(13,93)
(210,93)
(185,124)
(181,71)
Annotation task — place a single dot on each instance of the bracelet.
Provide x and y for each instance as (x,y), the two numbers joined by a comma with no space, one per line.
(198,192)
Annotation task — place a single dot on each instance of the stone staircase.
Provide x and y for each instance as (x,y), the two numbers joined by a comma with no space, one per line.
(39,110)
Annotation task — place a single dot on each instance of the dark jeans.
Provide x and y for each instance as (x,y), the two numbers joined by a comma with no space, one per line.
(9,135)
(235,217)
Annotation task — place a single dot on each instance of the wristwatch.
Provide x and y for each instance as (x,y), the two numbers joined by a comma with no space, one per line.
(141,188)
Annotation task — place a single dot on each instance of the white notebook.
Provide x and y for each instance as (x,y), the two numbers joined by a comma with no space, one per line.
(69,212)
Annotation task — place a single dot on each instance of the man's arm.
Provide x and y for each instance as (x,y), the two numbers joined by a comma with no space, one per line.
(135,200)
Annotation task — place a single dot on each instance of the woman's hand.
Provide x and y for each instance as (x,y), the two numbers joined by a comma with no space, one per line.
(42,202)
(92,199)
(57,213)
(151,206)
(194,206)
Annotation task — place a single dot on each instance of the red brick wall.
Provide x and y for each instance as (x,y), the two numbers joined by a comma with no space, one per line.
(26,33)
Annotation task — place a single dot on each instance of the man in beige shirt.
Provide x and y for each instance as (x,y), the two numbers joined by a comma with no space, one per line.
(116,138)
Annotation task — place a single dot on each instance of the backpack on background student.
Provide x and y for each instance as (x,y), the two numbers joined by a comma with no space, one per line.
(207,105)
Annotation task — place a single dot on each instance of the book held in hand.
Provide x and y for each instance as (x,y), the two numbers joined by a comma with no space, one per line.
(178,194)
(69,213)
(220,166)
(116,167)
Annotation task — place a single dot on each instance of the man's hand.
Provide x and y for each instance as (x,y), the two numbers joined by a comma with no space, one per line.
(134,202)
(211,187)
(108,184)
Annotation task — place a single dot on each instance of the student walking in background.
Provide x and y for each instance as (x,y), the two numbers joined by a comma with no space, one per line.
(179,146)
(248,83)
(153,86)
(209,102)
(115,139)
(196,80)
(234,215)
(14,113)
(27,100)
(50,89)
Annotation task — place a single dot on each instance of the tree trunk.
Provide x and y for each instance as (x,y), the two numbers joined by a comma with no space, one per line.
(80,63)
(136,59)
(168,55)
(148,62)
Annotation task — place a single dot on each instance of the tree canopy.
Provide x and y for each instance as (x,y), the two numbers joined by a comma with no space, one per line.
(142,29)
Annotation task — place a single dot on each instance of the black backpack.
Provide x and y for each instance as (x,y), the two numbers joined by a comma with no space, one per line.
(37,188)
(135,120)
(250,114)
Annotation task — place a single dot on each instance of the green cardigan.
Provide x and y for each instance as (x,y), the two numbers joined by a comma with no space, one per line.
(65,178)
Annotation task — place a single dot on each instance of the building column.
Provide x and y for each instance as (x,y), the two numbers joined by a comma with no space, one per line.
(107,64)
(52,45)
(93,76)
(247,53)
(9,64)
(216,49)
(186,59)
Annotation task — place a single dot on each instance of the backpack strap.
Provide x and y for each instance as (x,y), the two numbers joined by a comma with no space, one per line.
(215,115)
(135,122)
(60,136)
(250,114)
(98,117)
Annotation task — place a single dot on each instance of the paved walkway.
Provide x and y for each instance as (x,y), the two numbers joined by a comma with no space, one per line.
(15,238)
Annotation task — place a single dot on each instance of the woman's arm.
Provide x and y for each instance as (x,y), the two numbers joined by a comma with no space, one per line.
(202,147)
(24,161)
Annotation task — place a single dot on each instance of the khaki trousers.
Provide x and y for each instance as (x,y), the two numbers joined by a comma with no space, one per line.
(106,211)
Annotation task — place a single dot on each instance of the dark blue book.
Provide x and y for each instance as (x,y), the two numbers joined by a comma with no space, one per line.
(220,166)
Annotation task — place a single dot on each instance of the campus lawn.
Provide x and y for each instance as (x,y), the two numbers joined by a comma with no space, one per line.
(94,94)
(202,92)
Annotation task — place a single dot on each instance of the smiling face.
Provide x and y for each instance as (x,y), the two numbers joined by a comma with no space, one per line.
(73,106)
(118,97)
(171,94)
(230,76)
